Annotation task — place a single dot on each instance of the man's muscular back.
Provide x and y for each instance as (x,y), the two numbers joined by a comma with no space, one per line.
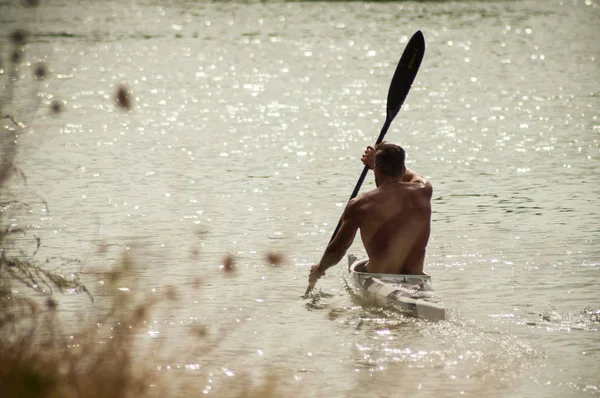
(394,222)
(394,219)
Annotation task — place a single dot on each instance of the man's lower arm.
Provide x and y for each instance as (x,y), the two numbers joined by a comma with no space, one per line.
(329,259)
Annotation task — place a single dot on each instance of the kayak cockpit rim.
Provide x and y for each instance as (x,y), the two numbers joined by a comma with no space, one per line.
(355,266)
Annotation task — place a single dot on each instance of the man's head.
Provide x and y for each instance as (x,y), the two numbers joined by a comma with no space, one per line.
(389,159)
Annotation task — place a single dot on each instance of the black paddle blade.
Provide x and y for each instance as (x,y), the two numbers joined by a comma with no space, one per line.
(406,71)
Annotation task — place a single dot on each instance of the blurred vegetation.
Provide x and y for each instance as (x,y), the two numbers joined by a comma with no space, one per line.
(37,357)
(17,246)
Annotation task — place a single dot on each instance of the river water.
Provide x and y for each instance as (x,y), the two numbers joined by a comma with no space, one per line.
(245,138)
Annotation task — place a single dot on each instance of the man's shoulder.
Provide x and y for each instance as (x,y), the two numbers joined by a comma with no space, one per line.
(421,183)
(421,188)
(358,204)
(414,177)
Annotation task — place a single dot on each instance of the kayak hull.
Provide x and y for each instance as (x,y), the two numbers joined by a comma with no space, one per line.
(412,294)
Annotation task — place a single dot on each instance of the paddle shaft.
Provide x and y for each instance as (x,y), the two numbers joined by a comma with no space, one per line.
(361,179)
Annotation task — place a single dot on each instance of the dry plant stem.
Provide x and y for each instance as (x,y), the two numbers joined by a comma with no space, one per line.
(20,266)
(9,88)
(5,205)
(12,119)
(37,101)
(8,154)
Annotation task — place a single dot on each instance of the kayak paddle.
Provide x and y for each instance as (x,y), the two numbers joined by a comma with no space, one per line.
(404,76)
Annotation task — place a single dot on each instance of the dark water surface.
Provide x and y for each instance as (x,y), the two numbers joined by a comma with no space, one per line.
(246,137)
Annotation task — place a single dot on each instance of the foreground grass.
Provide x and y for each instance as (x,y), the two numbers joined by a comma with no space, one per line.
(39,360)
(102,359)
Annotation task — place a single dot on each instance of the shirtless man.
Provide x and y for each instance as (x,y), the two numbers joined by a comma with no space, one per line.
(394,219)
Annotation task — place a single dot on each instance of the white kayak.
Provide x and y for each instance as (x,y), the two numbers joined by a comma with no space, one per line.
(412,294)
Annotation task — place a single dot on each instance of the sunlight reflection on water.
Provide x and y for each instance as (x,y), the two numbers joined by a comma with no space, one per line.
(246,137)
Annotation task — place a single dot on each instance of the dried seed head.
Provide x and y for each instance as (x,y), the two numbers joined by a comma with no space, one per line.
(228,263)
(40,71)
(30,3)
(5,169)
(16,56)
(56,107)
(51,304)
(171,294)
(274,258)
(140,313)
(200,331)
(123,98)
(18,37)
(113,276)
(102,247)
(202,232)
(197,282)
